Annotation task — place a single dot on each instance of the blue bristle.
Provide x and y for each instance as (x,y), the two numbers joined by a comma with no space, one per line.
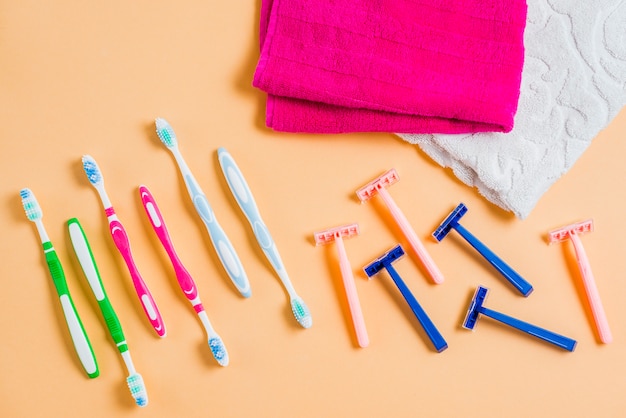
(217,348)
(30,204)
(91,170)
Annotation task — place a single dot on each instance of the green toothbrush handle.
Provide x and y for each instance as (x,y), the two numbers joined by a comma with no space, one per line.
(88,264)
(74,324)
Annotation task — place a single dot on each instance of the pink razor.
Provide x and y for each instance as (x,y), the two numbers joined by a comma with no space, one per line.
(379,186)
(186,283)
(572,232)
(337,234)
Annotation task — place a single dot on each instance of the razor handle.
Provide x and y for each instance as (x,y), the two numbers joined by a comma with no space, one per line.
(433,333)
(511,275)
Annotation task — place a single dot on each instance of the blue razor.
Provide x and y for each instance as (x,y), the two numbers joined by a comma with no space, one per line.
(476,309)
(452,222)
(385,262)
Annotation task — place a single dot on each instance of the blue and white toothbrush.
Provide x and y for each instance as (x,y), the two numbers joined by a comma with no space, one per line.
(225,251)
(239,187)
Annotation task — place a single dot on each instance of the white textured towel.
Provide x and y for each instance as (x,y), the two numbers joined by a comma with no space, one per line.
(573,85)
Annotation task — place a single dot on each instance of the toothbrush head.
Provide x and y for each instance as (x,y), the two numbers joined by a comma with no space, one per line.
(166,133)
(219,350)
(31,206)
(301,312)
(92,170)
(137,389)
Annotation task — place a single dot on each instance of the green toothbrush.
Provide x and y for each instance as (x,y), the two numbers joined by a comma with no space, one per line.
(88,264)
(74,324)
(90,269)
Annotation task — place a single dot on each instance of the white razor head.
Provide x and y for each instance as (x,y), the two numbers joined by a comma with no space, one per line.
(561,234)
(330,235)
(369,190)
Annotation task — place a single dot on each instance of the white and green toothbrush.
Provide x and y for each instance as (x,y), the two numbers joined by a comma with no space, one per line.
(74,324)
(90,269)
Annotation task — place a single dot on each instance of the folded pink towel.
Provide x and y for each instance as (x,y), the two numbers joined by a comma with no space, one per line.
(410,66)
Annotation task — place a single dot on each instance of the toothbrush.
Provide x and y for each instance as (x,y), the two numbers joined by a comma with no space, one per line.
(187,285)
(90,269)
(238,186)
(74,324)
(120,238)
(225,251)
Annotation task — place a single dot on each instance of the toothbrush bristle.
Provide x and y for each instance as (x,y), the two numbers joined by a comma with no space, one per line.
(165,132)
(137,389)
(31,206)
(301,312)
(92,170)
(219,350)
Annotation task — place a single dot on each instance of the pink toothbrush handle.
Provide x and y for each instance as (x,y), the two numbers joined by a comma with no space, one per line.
(120,238)
(592,291)
(185,280)
(410,235)
(353,298)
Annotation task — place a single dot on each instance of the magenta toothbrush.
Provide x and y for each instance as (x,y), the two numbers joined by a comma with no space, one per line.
(120,238)
(571,232)
(185,281)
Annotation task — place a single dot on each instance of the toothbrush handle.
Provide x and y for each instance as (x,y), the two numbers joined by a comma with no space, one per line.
(120,238)
(433,333)
(185,281)
(353,298)
(74,324)
(225,250)
(543,334)
(90,269)
(511,275)
(593,295)
(241,191)
(411,236)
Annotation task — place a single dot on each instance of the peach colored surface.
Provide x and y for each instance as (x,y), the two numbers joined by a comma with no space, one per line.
(82,78)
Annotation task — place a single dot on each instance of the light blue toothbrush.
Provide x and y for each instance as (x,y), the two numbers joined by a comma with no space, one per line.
(225,251)
(241,191)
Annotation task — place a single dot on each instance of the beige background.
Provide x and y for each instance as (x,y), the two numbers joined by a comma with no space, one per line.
(91,77)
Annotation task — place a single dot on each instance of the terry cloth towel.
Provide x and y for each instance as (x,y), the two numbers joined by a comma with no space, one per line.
(415,66)
(573,85)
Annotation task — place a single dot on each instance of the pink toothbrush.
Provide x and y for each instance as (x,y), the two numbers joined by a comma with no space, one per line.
(337,234)
(379,185)
(120,238)
(571,232)
(185,281)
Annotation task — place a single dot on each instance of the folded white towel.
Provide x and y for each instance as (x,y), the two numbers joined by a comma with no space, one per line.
(573,85)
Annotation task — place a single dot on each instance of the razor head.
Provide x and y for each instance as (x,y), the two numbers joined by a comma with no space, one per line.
(563,233)
(330,235)
(449,223)
(475,306)
(369,190)
(384,260)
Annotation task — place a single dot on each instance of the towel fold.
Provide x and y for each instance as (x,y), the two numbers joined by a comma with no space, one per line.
(573,85)
(413,66)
